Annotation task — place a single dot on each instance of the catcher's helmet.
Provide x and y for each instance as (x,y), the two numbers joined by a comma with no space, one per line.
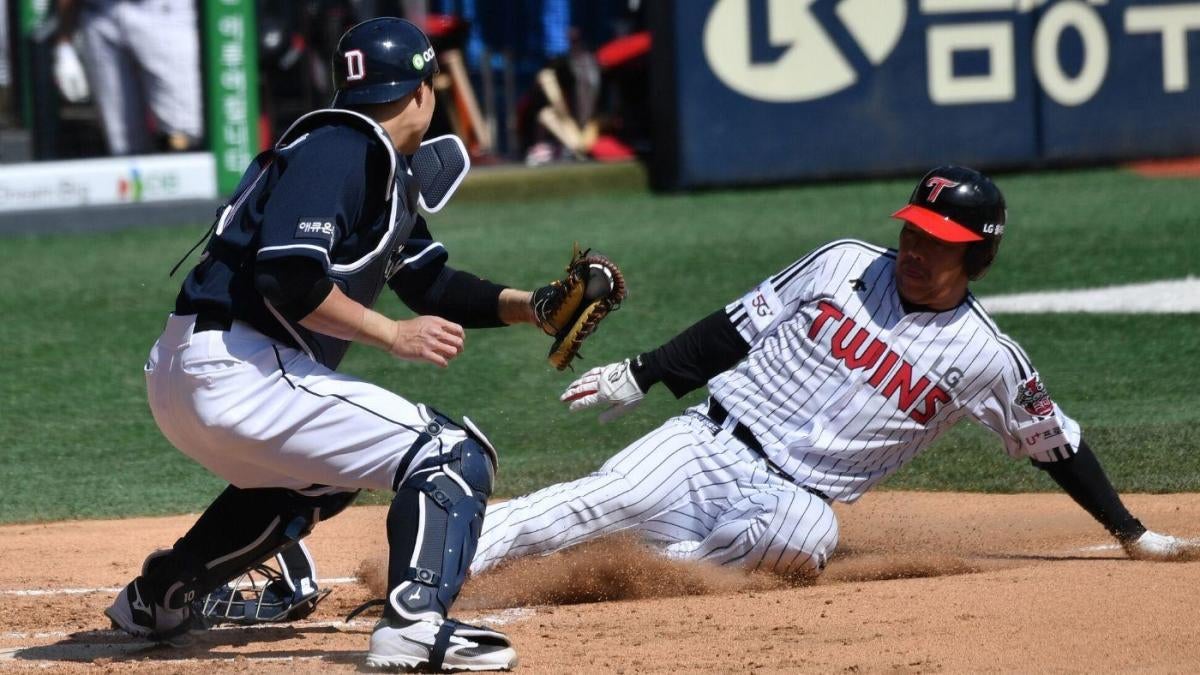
(260,595)
(379,61)
(960,205)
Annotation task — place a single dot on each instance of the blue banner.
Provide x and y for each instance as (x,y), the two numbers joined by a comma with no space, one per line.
(761,91)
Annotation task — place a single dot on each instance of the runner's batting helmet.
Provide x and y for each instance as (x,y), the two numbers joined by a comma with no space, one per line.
(379,61)
(960,205)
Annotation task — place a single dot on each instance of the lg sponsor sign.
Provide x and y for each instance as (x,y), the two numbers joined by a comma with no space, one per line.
(1054,79)
(801,61)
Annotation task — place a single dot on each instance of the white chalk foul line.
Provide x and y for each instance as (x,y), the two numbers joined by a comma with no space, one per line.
(1180,296)
(335,581)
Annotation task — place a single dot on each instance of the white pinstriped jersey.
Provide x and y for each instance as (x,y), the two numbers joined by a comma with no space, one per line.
(842,386)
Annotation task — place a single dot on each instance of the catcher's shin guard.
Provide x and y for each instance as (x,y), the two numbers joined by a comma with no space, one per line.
(239,530)
(433,526)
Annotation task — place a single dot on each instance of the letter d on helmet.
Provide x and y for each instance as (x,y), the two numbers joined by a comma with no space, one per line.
(379,61)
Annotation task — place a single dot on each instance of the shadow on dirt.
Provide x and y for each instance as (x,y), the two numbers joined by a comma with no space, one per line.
(110,647)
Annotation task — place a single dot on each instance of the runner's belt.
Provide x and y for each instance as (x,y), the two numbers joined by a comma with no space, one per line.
(718,414)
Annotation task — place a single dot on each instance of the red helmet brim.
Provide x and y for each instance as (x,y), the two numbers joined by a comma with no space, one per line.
(937,225)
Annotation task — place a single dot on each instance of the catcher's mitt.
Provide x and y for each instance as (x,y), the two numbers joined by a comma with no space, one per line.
(570,309)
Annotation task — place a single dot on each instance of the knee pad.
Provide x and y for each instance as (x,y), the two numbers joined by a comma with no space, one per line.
(434,524)
(239,530)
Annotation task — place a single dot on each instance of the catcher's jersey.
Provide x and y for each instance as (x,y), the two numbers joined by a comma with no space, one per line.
(843,384)
(332,190)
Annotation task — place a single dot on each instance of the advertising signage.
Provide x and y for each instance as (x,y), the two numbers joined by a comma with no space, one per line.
(760,91)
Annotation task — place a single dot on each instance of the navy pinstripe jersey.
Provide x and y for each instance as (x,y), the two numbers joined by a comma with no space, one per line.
(842,386)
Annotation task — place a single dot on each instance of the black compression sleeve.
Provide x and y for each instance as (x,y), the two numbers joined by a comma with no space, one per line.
(294,286)
(458,296)
(688,360)
(1082,477)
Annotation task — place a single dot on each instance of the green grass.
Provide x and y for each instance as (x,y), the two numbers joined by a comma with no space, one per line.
(80,313)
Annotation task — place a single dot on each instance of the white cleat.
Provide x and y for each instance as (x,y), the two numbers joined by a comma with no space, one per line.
(462,647)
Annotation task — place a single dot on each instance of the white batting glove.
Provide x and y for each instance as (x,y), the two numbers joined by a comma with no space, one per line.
(1157,547)
(69,74)
(612,384)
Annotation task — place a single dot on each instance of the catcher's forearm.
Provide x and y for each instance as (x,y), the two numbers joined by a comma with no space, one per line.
(341,317)
(1081,477)
(689,360)
(516,307)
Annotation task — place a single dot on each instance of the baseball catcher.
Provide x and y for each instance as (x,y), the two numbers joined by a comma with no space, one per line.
(243,379)
(823,380)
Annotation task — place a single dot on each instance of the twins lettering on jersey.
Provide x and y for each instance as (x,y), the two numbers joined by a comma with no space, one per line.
(858,349)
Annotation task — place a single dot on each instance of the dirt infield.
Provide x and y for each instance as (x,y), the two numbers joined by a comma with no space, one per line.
(922,583)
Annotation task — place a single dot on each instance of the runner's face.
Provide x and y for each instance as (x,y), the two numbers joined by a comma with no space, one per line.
(930,271)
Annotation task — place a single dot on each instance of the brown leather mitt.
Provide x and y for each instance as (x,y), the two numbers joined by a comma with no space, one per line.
(571,308)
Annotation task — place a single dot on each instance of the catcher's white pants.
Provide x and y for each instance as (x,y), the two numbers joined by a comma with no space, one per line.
(260,414)
(689,486)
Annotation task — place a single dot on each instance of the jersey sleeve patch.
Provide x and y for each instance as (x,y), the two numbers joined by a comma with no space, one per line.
(1033,397)
(1043,437)
(321,228)
(763,306)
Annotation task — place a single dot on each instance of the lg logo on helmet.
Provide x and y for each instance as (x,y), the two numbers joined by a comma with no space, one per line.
(355,70)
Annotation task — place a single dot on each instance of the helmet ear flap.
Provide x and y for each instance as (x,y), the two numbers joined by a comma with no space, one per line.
(978,259)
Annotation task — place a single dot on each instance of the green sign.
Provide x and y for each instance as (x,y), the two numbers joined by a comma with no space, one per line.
(231,56)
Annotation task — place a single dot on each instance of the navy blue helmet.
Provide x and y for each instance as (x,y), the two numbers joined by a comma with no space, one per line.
(381,60)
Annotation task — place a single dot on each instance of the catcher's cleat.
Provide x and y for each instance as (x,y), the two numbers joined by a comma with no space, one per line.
(134,613)
(439,646)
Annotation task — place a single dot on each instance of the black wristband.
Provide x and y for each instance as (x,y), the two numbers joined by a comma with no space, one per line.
(646,371)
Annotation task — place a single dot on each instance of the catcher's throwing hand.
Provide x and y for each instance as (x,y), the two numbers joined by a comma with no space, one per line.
(571,308)
(611,385)
(428,338)
(1162,548)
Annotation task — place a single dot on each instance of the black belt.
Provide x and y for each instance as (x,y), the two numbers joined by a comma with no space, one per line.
(210,320)
(718,414)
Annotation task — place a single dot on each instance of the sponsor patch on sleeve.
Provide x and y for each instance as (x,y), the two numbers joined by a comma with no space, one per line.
(315,228)
(1042,437)
(762,305)
(1033,397)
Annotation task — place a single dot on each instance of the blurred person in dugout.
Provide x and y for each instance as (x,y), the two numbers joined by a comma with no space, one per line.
(140,61)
